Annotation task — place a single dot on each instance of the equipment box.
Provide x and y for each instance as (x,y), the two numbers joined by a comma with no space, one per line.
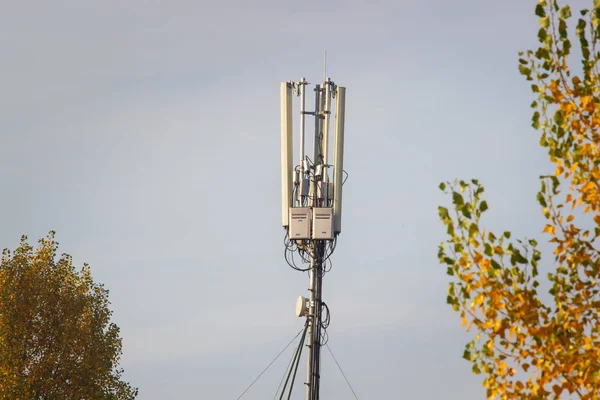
(299,223)
(322,223)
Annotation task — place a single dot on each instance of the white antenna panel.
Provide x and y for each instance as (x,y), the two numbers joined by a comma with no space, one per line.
(286,151)
(338,157)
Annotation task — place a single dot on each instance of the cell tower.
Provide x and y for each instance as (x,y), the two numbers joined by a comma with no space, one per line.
(311,211)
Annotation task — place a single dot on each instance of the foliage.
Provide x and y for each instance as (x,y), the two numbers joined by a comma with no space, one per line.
(56,339)
(524,348)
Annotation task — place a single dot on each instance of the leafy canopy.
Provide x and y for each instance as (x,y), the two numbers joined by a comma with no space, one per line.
(56,338)
(524,348)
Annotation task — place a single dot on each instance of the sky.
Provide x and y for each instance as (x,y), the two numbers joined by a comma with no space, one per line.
(146,134)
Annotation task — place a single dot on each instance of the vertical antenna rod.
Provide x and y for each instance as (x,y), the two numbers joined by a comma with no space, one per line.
(324,65)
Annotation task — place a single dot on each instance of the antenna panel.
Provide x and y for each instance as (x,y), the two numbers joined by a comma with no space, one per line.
(286,151)
(338,157)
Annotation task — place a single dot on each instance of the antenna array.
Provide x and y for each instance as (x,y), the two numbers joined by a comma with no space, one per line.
(312,209)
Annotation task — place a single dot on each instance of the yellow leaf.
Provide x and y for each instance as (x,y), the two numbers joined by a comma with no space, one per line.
(519,385)
(557,389)
(470,326)
(502,368)
(573,168)
(588,187)
(559,170)
(549,229)
(570,218)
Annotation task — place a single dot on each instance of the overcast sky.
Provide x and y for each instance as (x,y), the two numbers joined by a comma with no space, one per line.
(146,133)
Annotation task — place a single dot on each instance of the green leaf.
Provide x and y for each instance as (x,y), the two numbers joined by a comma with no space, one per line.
(562,29)
(519,257)
(542,35)
(489,251)
(545,22)
(542,54)
(443,213)
(535,120)
(450,271)
(555,184)
(466,210)
(565,12)
(457,199)
(507,234)
(566,47)
(467,355)
(442,186)
(524,70)
(473,230)
(541,199)
(539,11)
(483,206)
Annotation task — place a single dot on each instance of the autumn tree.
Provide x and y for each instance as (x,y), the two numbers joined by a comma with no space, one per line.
(56,338)
(526,344)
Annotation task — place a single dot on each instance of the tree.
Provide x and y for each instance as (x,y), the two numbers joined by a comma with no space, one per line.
(56,338)
(524,347)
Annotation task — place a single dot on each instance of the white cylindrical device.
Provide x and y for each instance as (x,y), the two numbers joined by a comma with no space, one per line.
(286,151)
(338,157)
